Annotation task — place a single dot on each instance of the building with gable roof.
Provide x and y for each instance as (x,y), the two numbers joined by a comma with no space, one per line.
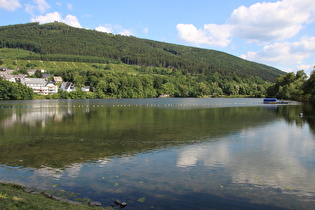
(40,86)
(67,86)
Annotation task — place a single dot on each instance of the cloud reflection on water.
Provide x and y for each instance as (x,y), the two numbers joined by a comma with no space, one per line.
(275,159)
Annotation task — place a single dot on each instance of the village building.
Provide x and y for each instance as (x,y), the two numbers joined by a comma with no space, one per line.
(86,88)
(51,88)
(164,96)
(9,76)
(46,76)
(67,86)
(40,86)
(31,72)
(58,80)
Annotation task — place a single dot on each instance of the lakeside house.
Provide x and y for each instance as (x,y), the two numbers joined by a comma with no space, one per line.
(67,86)
(46,76)
(164,96)
(86,89)
(9,76)
(5,74)
(31,72)
(58,80)
(40,85)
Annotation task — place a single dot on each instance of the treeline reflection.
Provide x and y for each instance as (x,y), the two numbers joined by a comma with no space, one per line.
(59,137)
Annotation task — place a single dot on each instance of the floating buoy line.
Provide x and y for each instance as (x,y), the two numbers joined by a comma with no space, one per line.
(125,105)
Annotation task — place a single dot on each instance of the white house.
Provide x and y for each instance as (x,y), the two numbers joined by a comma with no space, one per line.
(51,88)
(67,86)
(58,80)
(31,72)
(9,76)
(85,88)
(40,86)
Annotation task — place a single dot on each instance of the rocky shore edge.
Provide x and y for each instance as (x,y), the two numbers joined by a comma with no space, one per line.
(19,188)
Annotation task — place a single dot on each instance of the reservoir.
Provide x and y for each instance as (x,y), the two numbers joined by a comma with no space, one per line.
(163,153)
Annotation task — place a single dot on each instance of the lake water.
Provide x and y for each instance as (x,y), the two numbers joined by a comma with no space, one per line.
(163,153)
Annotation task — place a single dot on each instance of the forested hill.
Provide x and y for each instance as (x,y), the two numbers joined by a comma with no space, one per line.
(60,42)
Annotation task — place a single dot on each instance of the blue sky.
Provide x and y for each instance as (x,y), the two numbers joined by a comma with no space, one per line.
(277,33)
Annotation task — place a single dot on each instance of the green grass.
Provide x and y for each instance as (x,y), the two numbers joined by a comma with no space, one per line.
(56,65)
(13,58)
(8,53)
(14,197)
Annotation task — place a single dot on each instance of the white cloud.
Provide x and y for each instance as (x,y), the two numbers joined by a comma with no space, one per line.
(72,21)
(306,45)
(307,68)
(50,17)
(56,16)
(108,28)
(272,21)
(261,22)
(40,5)
(210,34)
(125,32)
(10,5)
(285,52)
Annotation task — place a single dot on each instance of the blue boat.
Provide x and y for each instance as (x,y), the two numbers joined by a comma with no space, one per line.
(274,101)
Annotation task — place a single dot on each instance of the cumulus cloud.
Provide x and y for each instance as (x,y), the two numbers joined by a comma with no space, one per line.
(307,68)
(10,5)
(125,32)
(50,17)
(271,21)
(210,34)
(39,5)
(108,28)
(72,21)
(260,22)
(56,16)
(284,53)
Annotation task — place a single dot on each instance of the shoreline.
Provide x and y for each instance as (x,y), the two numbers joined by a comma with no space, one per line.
(17,196)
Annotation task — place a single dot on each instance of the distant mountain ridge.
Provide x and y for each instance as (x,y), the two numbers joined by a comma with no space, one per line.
(60,42)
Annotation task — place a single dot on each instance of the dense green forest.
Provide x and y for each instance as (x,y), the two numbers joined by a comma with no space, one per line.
(116,66)
(60,42)
(133,81)
(14,91)
(294,86)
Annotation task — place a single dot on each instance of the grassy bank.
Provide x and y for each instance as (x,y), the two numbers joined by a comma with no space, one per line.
(16,197)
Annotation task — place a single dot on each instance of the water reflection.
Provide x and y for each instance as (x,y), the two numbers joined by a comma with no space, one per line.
(217,154)
(238,155)
(89,134)
(263,156)
(35,118)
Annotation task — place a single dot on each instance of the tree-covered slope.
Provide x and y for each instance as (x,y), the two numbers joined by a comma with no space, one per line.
(60,42)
